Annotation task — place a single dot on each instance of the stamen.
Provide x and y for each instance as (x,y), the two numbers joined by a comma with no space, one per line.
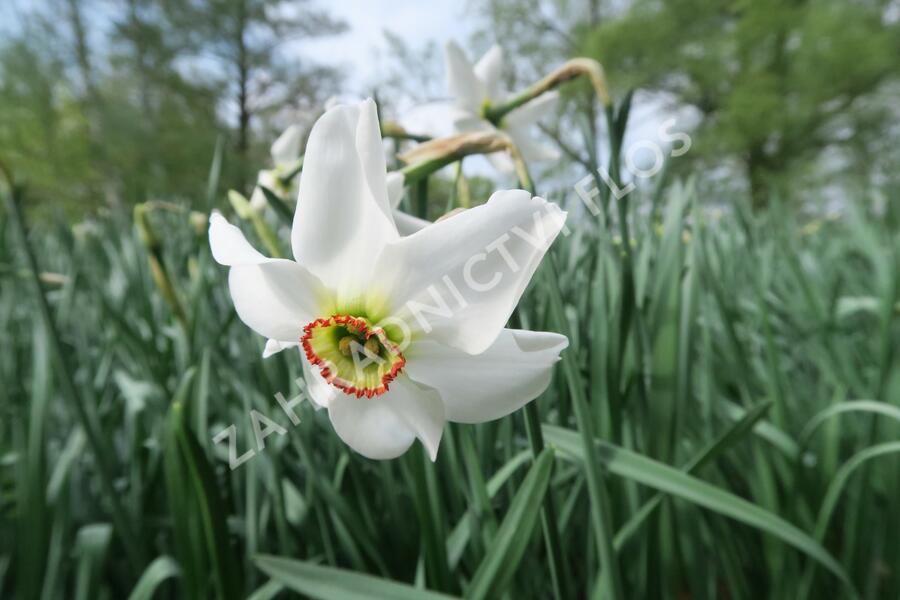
(346,345)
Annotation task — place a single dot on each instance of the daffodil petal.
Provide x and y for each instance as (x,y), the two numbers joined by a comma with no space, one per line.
(395,181)
(468,91)
(531,149)
(534,110)
(408,224)
(343,217)
(274,347)
(276,298)
(514,370)
(317,388)
(489,70)
(228,244)
(286,149)
(459,279)
(502,162)
(258,200)
(385,426)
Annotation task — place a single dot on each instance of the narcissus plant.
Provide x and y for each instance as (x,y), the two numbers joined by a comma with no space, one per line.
(477,88)
(398,334)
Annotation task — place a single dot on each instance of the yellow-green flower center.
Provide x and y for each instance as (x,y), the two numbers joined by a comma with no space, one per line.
(352,355)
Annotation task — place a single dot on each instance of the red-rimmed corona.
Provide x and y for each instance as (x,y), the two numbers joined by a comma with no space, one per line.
(352,355)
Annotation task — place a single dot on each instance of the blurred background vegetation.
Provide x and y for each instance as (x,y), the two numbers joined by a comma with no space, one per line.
(122,101)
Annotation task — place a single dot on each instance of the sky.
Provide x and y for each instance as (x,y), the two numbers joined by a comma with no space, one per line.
(362,48)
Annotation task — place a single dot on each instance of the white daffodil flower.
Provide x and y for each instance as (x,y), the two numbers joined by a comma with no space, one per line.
(399,334)
(284,151)
(475,88)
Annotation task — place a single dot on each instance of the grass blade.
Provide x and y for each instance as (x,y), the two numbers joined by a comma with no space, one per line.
(496,570)
(631,465)
(329,583)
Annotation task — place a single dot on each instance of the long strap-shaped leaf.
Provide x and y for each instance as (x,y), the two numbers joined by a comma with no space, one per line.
(161,569)
(665,478)
(503,557)
(864,406)
(834,493)
(329,583)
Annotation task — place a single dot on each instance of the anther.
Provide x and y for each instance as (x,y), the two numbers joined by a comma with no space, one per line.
(372,346)
(346,344)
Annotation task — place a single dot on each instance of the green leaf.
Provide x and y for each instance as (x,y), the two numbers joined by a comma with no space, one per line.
(502,559)
(281,209)
(329,583)
(657,475)
(201,529)
(731,435)
(841,478)
(872,406)
(157,572)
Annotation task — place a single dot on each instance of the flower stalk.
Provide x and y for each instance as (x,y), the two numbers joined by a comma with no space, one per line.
(576,67)
(431,156)
(158,269)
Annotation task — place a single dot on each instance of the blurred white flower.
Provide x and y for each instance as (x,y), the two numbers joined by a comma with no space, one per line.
(475,88)
(284,151)
(360,299)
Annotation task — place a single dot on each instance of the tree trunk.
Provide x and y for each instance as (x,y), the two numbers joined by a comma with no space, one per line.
(757,177)
(243,69)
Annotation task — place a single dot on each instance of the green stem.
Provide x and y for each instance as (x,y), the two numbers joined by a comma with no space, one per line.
(419,171)
(422,199)
(158,269)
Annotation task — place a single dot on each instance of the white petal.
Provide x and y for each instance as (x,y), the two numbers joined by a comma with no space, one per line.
(469,270)
(466,123)
(516,369)
(286,149)
(274,347)
(533,111)
(273,296)
(276,298)
(408,224)
(343,218)
(258,200)
(489,70)
(395,187)
(320,392)
(502,162)
(531,149)
(468,91)
(228,244)
(385,426)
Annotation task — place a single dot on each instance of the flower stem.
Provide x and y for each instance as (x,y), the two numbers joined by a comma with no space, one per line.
(571,69)
(158,269)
